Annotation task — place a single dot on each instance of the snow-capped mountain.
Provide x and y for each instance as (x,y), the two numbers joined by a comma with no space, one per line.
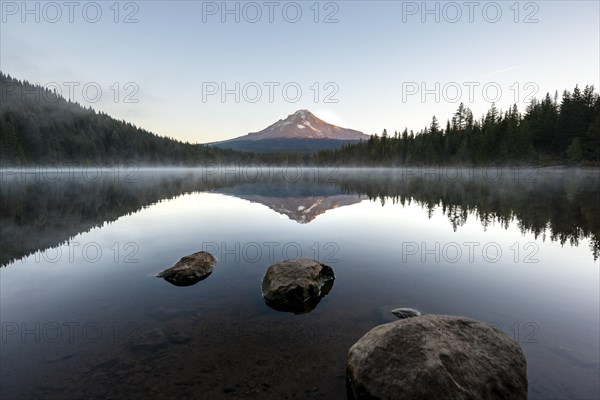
(304,124)
(300,131)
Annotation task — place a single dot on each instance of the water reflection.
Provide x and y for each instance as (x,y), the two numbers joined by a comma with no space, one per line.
(299,307)
(219,337)
(563,206)
(299,201)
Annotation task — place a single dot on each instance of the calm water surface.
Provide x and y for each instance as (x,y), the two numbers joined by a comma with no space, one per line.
(84,317)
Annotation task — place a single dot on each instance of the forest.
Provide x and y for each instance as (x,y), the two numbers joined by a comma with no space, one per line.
(37,126)
(549,132)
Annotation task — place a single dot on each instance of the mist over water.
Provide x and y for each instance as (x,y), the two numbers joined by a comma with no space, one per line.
(84,316)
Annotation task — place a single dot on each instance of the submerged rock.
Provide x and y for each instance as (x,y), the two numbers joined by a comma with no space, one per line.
(150,340)
(405,312)
(296,285)
(436,357)
(179,338)
(190,269)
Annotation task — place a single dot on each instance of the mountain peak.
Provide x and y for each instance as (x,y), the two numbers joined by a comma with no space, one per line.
(298,117)
(302,114)
(301,131)
(303,125)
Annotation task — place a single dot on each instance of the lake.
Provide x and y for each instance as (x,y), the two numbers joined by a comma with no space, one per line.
(83,315)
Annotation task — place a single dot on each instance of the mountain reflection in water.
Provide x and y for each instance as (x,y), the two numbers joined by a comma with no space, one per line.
(219,337)
(562,205)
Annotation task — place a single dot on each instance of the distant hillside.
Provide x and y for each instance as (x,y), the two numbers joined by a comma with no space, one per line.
(300,132)
(38,126)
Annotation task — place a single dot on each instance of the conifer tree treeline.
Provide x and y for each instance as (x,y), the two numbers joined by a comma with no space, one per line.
(38,126)
(548,132)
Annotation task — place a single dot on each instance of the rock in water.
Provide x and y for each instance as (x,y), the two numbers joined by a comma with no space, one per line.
(436,357)
(150,340)
(405,312)
(296,285)
(190,269)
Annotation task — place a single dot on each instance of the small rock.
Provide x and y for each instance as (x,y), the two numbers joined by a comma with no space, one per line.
(296,285)
(179,338)
(229,389)
(189,270)
(150,340)
(405,312)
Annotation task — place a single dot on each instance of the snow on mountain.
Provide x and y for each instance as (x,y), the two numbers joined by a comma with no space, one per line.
(303,125)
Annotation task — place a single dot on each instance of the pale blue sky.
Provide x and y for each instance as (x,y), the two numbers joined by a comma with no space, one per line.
(370,55)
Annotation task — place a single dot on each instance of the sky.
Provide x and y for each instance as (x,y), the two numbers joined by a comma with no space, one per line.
(208,71)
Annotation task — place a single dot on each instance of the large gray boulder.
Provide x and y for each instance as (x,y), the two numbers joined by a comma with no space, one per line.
(189,270)
(296,285)
(436,357)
